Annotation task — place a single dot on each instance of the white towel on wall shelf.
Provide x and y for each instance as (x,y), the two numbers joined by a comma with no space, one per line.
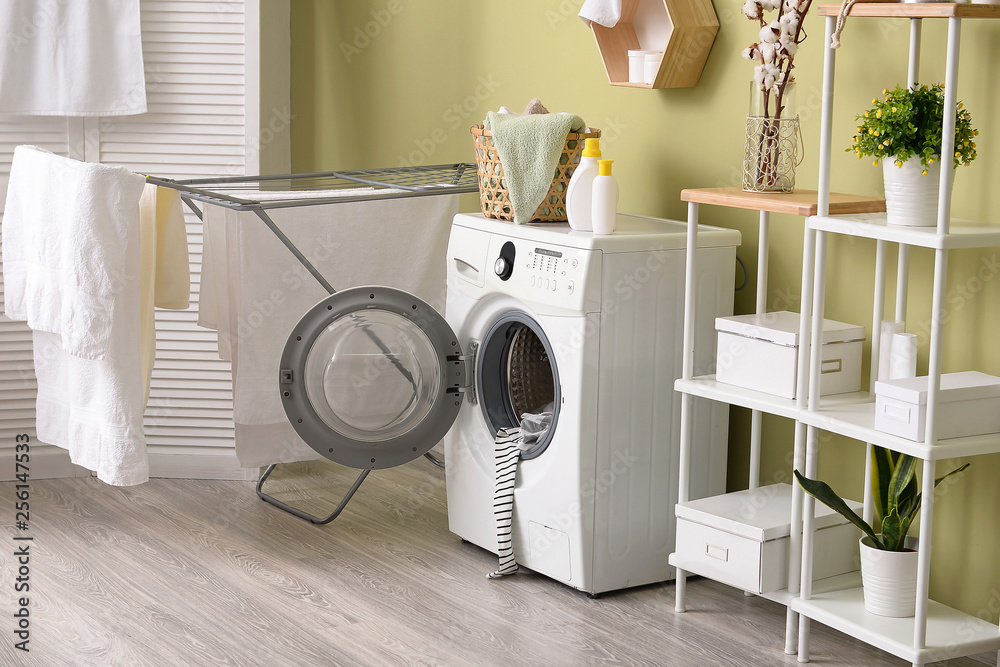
(60,58)
(603,12)
(399,242)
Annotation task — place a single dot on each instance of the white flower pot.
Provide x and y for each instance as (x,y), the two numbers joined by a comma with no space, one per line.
(911,199)
(889,579)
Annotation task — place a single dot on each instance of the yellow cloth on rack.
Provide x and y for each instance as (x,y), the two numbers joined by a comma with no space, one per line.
(164,271)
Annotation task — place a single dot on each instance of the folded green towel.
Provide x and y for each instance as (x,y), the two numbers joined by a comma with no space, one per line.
(529,148)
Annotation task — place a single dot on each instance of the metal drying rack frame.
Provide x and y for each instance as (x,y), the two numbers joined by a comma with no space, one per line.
(243,193)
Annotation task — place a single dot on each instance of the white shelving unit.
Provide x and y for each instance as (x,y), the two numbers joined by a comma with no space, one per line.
(936,632)
(801,203)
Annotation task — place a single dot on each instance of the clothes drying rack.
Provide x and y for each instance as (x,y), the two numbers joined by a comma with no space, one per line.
(243,193)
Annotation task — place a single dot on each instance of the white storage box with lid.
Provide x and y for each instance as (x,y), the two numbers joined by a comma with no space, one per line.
(969,404)
(741,539)
(761,352)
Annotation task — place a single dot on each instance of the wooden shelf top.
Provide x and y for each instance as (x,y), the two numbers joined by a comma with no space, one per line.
(631,84)
(917,10)
(800,202)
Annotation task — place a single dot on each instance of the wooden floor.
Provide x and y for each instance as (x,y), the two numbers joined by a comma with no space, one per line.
(179,572)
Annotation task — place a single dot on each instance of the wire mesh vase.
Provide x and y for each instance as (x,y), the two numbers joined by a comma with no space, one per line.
(772,144)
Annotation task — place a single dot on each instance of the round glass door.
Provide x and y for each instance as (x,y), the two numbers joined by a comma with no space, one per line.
(370,377)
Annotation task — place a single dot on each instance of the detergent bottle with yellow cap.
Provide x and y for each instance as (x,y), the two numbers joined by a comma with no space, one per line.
(605,202)
(579,197)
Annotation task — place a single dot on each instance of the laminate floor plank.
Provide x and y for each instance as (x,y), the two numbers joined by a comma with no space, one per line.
(201,572)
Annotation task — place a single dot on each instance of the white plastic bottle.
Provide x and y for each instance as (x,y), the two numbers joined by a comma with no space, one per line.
(579,192)
(605,203)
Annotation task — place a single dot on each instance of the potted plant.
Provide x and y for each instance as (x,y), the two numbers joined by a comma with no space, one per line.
(904,132)
(888,557)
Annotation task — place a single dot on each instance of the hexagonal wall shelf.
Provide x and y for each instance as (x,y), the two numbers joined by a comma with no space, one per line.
(683,29)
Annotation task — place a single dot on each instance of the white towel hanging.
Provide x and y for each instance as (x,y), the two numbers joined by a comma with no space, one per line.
(71,269)
(71,58)
(603,12)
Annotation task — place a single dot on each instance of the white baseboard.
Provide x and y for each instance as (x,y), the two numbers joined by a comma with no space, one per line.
(45,462)
(50,462)
(222,465)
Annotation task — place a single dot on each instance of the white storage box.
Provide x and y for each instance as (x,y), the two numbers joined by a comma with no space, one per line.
(741,539)
(761,352)
(969,404)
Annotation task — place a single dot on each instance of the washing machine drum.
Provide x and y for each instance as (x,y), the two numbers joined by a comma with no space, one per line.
(516,374)
(371,377)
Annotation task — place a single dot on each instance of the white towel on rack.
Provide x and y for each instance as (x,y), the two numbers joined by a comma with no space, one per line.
(604,12)
(71,245)
(398,242)
(164,269)
(65,234)
(61,58)
(222,259)
(71,269)
(213,296)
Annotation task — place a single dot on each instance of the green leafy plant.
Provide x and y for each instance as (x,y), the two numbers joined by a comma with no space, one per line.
(908,123)
(894,489)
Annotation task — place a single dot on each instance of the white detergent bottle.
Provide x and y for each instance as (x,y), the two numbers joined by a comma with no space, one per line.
(605,203)
(580,189)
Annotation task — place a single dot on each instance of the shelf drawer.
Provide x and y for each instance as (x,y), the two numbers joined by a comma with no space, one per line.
(741,539)
(761,352)
(761,567)
(722,556)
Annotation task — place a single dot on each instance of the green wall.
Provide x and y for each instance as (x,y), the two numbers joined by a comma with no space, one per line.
(434,67)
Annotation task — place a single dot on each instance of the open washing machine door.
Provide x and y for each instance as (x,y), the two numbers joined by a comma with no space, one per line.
(372,377)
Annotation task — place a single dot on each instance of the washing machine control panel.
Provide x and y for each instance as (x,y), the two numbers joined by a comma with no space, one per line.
(553,274)
(551,270)
(564,277)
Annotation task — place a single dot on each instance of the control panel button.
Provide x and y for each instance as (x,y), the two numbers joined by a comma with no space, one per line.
(569,287)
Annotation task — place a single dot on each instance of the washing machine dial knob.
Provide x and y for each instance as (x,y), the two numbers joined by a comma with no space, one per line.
(504,264)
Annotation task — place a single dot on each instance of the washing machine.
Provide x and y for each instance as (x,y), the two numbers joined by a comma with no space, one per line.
(593,325)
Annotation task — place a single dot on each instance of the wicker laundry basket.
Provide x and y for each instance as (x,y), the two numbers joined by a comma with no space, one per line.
(493,187)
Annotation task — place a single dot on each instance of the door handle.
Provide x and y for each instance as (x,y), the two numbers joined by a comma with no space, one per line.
(466,270)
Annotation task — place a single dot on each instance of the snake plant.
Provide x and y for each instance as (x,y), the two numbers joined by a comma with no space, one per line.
(894,489)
